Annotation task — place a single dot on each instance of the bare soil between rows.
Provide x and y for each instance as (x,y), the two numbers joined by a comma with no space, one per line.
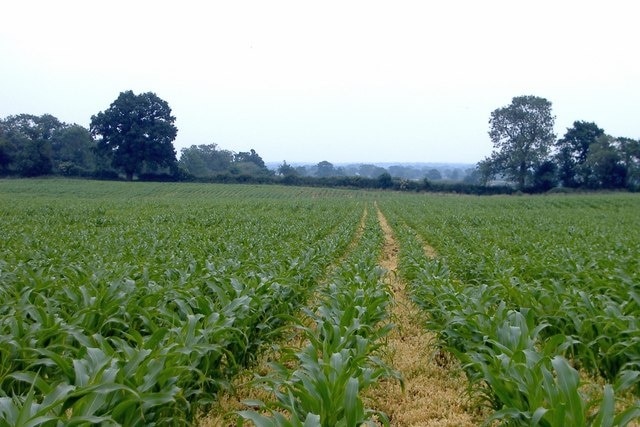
(434,389)
(242,387)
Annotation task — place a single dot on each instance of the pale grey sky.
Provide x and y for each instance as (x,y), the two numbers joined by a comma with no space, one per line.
(344,81)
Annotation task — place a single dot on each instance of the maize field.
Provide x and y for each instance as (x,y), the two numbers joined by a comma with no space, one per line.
(141,303)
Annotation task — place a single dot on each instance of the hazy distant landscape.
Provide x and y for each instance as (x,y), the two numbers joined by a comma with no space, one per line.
(134,137)
(413,170)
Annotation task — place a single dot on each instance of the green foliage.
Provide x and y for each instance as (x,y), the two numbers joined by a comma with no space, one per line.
(526,292)
(321,383)
(205,160)
(41,145)
(74,151)
(136,305)
(522,136)
(325,169)
(604,165)
(250,157)
(26,144)
(136,131)
(573,149)
(287,170)
(629,151)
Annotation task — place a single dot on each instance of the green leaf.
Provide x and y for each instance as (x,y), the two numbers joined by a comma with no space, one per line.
(254,403)
(605,416)
(312,420)
(257,419)
(150,400)
(354,412)
(124,407)
(89,419)
(568,380)
(628,415)
(538,415)
(626,379)
(33,379)
(59,394)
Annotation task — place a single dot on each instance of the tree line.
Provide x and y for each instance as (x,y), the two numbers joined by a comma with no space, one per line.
(134,138)
(528,156)
(414,171)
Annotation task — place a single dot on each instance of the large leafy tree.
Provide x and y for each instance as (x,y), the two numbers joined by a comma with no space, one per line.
(522,136)
(325,169)
(285,169)
(25,143)
(205,160)
(136,131)
(6,150)
(605,164)
(573,150)
(73,151)
(630,152)
(37,145)
(249,163)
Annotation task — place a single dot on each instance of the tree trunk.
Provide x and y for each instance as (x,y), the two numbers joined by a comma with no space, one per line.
(522,175)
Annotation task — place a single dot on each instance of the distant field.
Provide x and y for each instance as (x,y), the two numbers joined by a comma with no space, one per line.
(137,303)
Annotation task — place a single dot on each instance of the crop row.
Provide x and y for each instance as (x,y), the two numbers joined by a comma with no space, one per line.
(533,295)
(321,384)
(125,312)
(56,189)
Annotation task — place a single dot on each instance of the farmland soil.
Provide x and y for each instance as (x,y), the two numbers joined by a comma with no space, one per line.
(434,389)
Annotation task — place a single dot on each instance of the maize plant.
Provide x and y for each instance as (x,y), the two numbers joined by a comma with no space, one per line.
(525,293)
(120,306)
(320,384)
(137,304)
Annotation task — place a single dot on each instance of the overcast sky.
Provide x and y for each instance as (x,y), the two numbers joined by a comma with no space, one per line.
(343,81)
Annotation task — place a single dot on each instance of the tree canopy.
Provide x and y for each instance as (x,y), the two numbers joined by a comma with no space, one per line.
(205,160)
(522,136)
(134,135)
(325,169)
(604,165)
(136,131)
(287,170)
(249,163)
(26,146)
(40,145)
(209,161)
(573,150)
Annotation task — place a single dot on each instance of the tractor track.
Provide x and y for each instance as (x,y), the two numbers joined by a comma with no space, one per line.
(434,391)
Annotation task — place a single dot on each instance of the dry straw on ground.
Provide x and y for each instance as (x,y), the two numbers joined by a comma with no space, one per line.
(435,390)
